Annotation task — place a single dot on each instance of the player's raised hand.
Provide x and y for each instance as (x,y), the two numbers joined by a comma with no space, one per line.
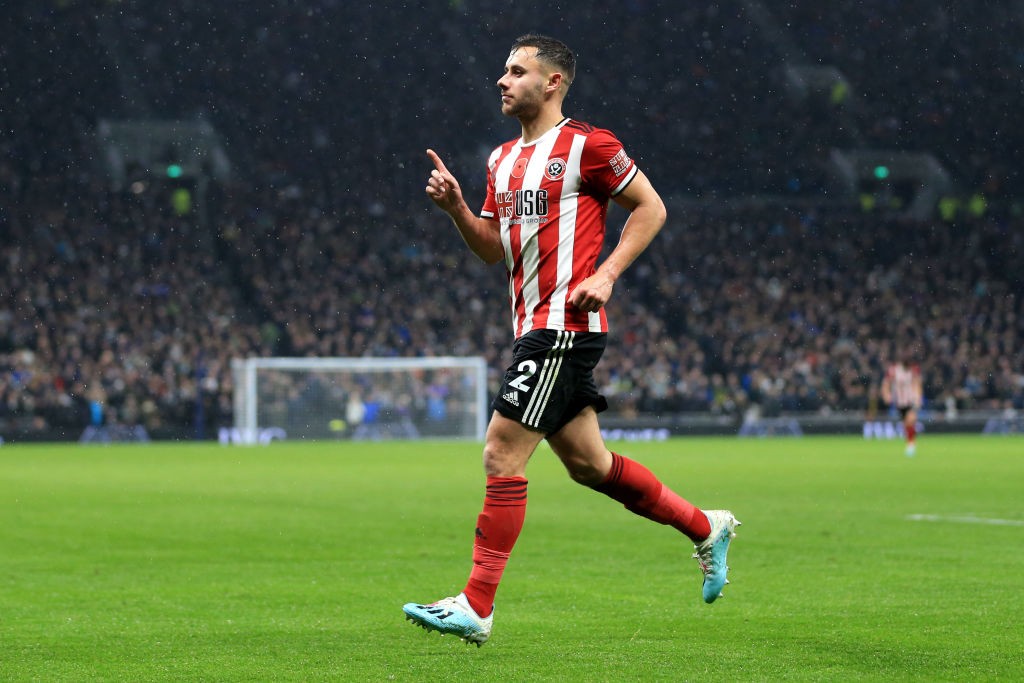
(482,235)
(442,186)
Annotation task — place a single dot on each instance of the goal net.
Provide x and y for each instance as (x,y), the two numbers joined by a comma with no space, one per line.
(358,398)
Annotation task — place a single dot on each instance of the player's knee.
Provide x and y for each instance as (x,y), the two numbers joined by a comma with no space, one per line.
(502,461)
(583,471)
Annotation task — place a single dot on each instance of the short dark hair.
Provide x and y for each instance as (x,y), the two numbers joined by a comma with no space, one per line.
(552,51)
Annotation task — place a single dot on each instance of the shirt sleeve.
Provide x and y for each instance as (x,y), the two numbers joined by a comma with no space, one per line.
(605,164)
(490,207)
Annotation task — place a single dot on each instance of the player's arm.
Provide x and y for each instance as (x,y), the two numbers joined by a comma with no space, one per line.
(646,217)
(887,388)
(482,235)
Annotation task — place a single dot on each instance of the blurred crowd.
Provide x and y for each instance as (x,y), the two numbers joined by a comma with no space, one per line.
(926,75)
(119,305)
(119,301)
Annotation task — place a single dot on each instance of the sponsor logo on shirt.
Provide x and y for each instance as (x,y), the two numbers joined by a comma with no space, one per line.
(522,203)
(619,163)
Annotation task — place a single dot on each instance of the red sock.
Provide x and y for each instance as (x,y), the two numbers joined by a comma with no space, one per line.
(911,431)
(642,493)
(497,529)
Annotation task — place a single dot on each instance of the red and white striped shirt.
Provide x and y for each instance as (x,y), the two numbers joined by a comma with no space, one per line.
(904,383)
(551,198)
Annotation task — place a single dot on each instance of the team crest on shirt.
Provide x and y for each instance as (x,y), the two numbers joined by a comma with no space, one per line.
(555,169)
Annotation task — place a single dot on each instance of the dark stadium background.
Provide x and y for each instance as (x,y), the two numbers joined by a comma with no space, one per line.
(842,178)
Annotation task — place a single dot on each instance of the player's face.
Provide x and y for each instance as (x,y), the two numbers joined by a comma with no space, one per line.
(523,83)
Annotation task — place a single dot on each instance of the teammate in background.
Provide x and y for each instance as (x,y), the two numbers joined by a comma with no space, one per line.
(901,389)
(544,218)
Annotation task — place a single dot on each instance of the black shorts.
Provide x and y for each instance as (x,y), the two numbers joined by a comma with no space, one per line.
(903,410)
(551,379)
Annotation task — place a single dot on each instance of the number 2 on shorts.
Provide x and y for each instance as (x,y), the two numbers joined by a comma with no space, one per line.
(529,369)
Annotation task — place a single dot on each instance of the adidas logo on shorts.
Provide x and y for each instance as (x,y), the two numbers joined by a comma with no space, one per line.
(512,397)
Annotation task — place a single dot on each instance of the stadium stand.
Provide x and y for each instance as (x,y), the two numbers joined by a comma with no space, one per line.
(771,290)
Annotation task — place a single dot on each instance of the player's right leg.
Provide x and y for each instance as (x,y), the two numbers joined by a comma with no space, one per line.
(452,615)
(910,430)
(469,615)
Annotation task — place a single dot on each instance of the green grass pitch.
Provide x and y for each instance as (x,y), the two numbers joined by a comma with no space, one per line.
(291,563)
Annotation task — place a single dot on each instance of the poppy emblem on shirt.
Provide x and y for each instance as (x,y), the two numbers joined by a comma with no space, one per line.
(519,169)
(555,169)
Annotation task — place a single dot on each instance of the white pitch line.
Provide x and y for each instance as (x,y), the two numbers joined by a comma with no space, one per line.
(965,520)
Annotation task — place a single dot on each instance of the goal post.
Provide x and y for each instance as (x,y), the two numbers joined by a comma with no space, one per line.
(358,398)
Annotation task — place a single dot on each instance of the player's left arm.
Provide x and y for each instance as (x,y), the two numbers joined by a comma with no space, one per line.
(646,217)
(918,384)
(887,387)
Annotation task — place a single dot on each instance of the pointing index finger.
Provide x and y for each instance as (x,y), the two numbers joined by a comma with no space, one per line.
(438,164)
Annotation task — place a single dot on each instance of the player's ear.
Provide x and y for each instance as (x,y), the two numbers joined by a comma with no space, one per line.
(555,80)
